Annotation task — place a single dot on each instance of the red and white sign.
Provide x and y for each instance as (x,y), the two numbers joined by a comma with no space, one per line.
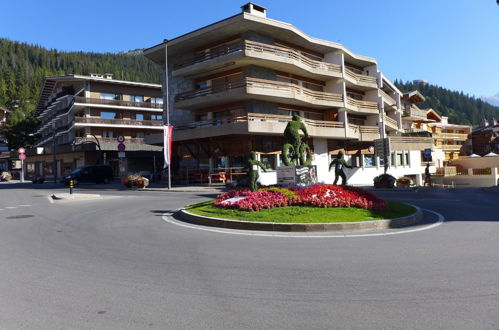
(120,139)
(21,150)
(167,145)
(22,156)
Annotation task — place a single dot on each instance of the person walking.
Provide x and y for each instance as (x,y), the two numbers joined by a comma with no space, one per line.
(427,176)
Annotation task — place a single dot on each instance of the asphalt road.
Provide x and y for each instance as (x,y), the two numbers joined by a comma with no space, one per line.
(115,263)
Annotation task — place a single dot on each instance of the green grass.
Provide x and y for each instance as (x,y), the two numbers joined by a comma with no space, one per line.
(297,214)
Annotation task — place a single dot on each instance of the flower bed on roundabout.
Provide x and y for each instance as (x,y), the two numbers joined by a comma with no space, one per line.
(314,204)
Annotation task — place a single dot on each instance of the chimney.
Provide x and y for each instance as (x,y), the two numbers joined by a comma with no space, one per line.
(254,9)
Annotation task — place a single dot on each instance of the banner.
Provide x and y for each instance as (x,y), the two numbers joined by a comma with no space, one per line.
(167,144)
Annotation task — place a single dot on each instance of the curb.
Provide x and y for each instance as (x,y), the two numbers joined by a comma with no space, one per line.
(304,227)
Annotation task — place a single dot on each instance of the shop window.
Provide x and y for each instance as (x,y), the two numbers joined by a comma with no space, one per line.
(369,160)
(268,161)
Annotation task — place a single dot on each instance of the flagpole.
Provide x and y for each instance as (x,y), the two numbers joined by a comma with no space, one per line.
(167,110)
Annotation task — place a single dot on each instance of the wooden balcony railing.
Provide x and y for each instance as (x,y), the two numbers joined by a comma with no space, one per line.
(260,83)
(450,147)
(259,117)
(390,121)
(130,122)
(454,136)
(388,98)
(292,54)
(362,105)
(361,78)
(88,100)
(262,48)
(414,112)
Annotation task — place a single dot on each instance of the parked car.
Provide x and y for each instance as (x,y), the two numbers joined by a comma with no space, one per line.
(96,173)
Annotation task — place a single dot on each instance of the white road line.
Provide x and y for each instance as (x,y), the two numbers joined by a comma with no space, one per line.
(11,207)
(440,220)
(25,205)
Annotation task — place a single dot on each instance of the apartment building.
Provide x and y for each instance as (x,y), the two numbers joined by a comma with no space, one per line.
(82,116)
(449,140)
(234,85)
(485,138)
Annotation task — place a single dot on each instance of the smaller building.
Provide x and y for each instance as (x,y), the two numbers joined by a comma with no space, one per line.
(485,138)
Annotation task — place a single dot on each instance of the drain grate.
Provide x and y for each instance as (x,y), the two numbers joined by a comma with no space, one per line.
(23,216)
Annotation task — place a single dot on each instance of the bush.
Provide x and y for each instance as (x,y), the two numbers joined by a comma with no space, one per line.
(254,201)
(135,180)
(384,181)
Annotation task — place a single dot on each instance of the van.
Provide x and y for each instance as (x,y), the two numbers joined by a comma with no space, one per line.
(94,174)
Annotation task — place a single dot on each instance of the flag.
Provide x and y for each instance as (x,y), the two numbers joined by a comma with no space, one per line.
(167,144)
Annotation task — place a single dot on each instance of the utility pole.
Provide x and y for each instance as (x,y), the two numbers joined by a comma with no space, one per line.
(167,110)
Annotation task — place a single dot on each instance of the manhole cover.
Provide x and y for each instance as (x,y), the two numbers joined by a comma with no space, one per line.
(20,216)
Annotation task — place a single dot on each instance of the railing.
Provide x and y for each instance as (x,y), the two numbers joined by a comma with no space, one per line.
(388,98)
(130,122)
(292,54)
(260,83)
(451,136)
(369,129)
(78,140)
(362,105)
(88,100)
(361,78)
(414,113)
(263,48)
(258,117)
(454,147)
(459,171)
(390,121)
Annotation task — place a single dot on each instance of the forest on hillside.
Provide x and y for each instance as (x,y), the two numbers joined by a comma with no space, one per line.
(23,68)
(459,107)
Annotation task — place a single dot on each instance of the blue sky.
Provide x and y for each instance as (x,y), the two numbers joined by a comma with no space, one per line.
(452,43)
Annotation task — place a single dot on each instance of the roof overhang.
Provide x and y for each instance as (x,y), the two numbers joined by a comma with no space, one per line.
(413,97)
(246,22)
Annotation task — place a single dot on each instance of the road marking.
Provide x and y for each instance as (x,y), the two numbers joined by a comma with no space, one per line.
(167,218)
(25,205)
(11,207)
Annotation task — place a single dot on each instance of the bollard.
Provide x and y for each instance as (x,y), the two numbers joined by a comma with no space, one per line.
(71,186)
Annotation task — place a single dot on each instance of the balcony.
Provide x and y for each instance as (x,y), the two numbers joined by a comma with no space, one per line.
(362,106)
(390,122)
(451,136)
(360,79)
(363,133)
(388,99)
(254,88)
(256,123)
(85,121)
(450,147)
(93,102)
(132,144)
(414,113)
(251,52)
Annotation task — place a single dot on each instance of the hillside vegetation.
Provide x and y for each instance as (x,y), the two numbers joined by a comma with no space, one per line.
(459,107)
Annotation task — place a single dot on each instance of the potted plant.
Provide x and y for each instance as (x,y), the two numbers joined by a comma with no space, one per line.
(404,182)
(135,181)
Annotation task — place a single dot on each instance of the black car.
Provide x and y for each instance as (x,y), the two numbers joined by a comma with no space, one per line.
(96,173)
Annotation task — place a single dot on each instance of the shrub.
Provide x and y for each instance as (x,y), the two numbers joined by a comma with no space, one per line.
(254,201)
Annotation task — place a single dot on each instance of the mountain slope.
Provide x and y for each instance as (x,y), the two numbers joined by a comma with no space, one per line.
(459,107)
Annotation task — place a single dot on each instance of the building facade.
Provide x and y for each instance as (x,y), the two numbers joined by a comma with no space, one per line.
(81,118)
(486,138)
(4,147)
(234,85)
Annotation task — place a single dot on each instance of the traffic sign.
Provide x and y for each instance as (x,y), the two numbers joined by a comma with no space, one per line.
(427,152)
(21,150)
(121,154)
(121,147)
(22,156)
(120,139)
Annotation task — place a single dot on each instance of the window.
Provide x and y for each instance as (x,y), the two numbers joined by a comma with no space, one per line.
(314,116)
(156,117)
(314,87)
(268,161)
(369,160)
(400,159)
(135,98)
(354,161)
(138,116)
(108,96)
(156,100)
(139,135)
(107,134)
(407,159)
(108,115)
